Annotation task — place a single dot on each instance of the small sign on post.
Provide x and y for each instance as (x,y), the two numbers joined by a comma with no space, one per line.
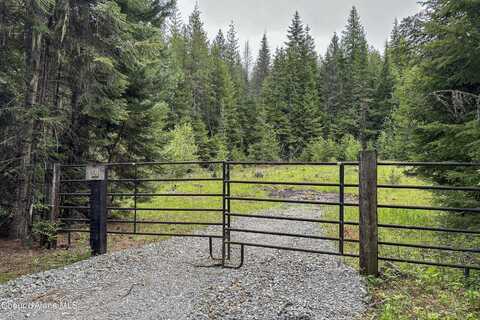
(97,180)
(95,172)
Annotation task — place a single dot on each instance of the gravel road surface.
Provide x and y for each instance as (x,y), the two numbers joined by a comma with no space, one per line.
(175,279)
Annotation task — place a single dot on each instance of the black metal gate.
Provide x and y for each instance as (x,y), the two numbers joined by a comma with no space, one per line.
(340,204)
(129,183)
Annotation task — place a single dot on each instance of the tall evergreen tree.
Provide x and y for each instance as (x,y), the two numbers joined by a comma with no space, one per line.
(247,60)
(197,73)
(220,45)
(224,101)
(262,66)
(275,100)
(244,103)
(304,113)
(383,102)
(439,93)
(332,90)
(232,52)
(292,100)
(398,49)
(357,92)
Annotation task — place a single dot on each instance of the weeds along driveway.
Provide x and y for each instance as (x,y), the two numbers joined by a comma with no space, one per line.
(175,279)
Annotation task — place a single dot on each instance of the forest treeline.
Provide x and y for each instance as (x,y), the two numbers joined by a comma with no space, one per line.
(127,80)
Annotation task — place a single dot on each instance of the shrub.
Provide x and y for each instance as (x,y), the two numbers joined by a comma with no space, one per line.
(5,219)
(321,150)
(45,231)
(181,147)
(267,149)
(219,150)
(237,155)
(350,148)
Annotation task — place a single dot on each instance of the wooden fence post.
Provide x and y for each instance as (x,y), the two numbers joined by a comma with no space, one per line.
(55,199)
(97,176)
(368,213)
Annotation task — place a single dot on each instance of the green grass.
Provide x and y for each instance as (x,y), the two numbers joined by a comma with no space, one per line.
(59,259)
(201,187)
(7,276)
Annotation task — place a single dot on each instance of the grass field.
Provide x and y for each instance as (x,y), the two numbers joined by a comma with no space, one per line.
(404,291)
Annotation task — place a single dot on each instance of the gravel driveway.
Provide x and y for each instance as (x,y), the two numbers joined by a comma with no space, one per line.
(175,279)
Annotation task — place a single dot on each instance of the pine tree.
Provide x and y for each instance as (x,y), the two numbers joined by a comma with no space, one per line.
(232,56)
(197,73)
(291,93)
(224,101)
(332,89)
(87,91)
(447,80)
(243,102)
(296,33)
(304,114)
(181,100)
(262,66)
(275,99)
(220,46)
(399,51)
(247,60)
(265,146)
(383,103)
(357,92)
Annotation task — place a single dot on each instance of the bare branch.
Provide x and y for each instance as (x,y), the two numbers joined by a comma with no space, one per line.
(458,103)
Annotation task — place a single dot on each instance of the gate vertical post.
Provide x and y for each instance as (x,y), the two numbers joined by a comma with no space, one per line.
(341,226)
(368,213)
(55,198)
(97,180)
(228,209)
(135,198)
(224,211)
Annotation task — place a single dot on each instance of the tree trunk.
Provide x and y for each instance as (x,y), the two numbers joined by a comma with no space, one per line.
(21,224)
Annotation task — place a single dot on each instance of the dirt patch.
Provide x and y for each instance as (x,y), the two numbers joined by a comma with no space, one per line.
(18,260)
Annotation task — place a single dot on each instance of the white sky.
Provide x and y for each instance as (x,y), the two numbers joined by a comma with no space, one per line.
(254,17)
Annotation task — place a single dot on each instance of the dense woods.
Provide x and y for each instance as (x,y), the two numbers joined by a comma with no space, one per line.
(127,80)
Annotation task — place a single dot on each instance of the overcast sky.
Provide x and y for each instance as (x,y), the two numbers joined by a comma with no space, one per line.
(253,17)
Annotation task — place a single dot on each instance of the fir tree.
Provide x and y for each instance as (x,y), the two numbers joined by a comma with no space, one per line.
(332,89)
(262,66)
(383,103)
(247,61)
(304,114)
(275,99)
(265,146)
(197,73)
(220,46)
(357,92)
(232,56)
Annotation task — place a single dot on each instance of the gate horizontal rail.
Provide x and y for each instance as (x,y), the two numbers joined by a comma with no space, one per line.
(260,245)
